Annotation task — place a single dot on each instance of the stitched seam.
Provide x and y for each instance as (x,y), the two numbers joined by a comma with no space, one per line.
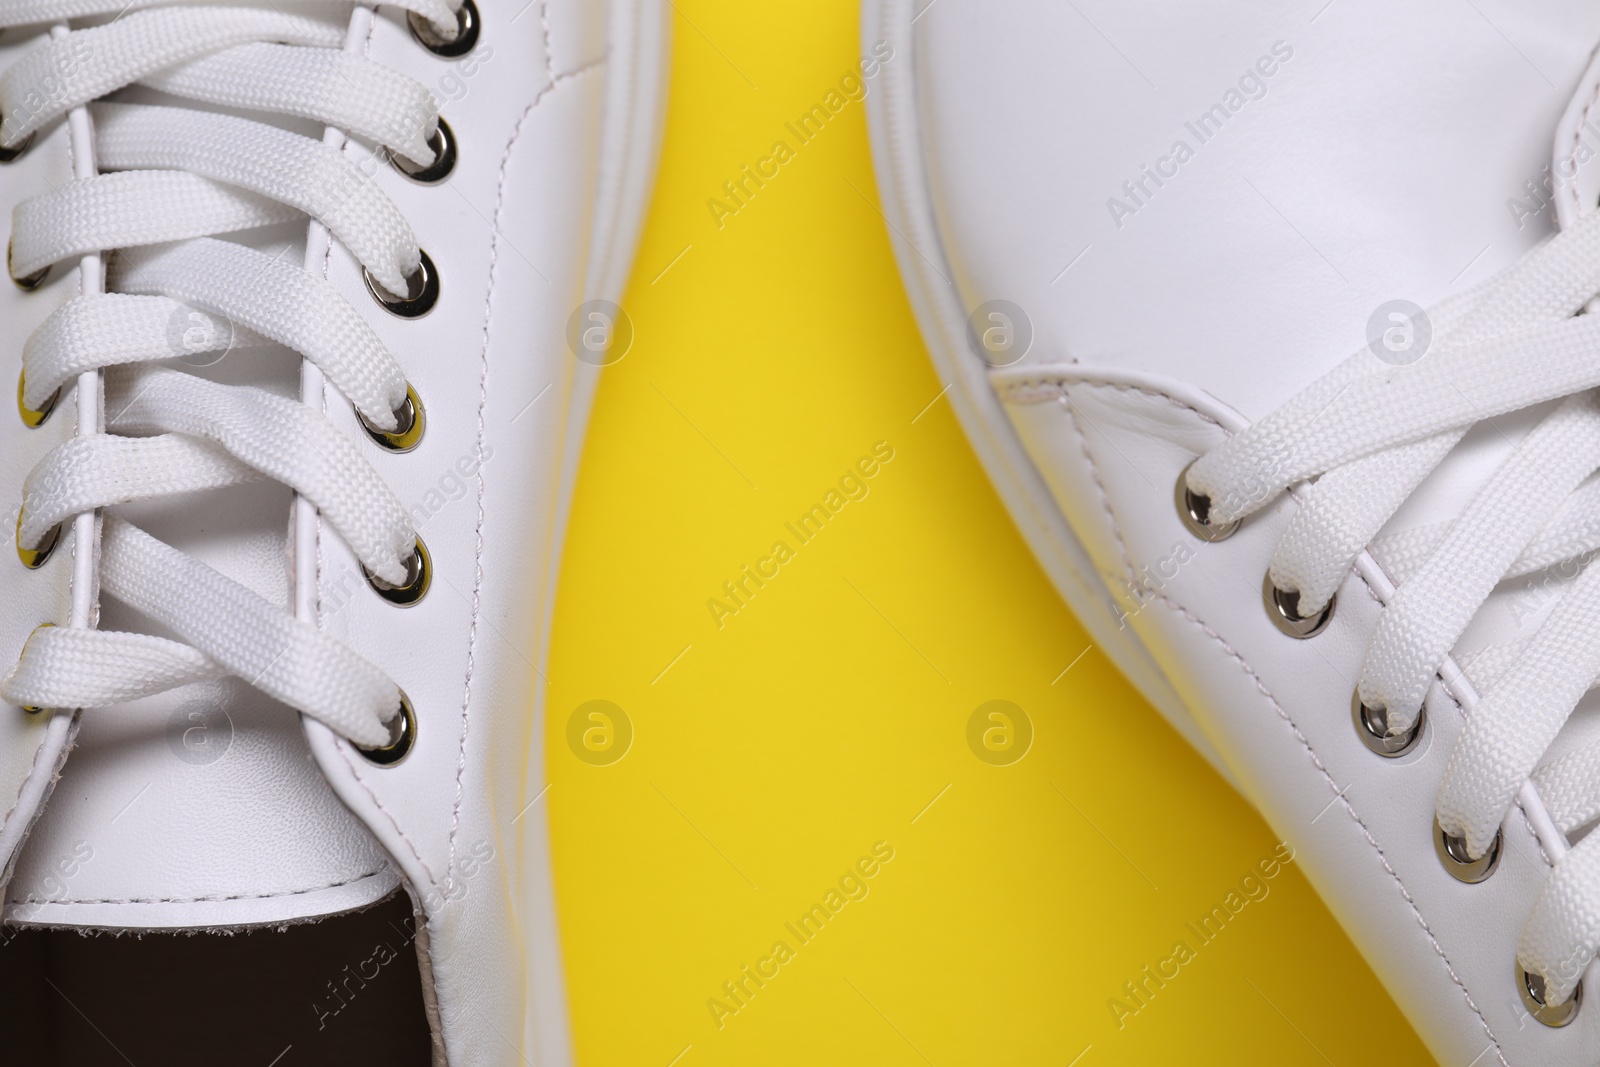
(1577,139)
(483,401)
(1039,514)
(1022,394)
(7,862)
(549,53)
(42,901)
(1094,472)
(16,802)
(1348,807)
(1372,592)
(355,774)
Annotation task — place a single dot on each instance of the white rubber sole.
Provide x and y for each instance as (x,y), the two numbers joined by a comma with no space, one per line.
(941,312)
(636,70)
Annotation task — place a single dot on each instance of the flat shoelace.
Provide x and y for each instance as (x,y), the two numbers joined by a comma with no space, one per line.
(1369,432)
(170,180)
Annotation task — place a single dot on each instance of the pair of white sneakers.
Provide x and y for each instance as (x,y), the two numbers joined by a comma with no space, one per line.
(1142,245)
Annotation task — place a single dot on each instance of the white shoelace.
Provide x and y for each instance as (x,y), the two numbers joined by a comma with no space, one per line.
(1369,432)
(172,179)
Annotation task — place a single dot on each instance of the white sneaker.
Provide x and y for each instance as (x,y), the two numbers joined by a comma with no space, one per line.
(417,365)
(1143,245)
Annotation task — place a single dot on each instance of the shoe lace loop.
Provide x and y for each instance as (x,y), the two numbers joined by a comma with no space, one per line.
(1362,439)
(169,182)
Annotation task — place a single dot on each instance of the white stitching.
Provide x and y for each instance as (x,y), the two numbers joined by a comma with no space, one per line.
(549,52)
(483,400)
(42,901)
(1244,665)
(1094,472)
(1577,142)
(1019,392)
(33,769)
(1343,799)
(1371,592)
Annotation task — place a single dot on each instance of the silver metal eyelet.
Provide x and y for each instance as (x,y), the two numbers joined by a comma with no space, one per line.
(1194,508)
(466,38)
(32,709)
(419,576)
(1453,854)
(402,737)
(34,558)
(410,418)
(443,143)
(30,417)
(1531,986)
(422,291)
(1372,726)
(1283,610)
(28,282)
(8,155)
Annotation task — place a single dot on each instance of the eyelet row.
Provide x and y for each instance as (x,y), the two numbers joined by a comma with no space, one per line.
(410,418)
(1283,606)
(1371,726)
(422,293)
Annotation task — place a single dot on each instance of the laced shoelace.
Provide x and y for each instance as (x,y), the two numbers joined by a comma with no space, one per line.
(169,180)
(1368,433)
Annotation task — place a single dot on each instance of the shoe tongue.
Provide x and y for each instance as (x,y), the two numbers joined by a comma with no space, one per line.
(202,808)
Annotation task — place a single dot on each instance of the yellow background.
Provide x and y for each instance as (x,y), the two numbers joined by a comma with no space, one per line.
(829,712)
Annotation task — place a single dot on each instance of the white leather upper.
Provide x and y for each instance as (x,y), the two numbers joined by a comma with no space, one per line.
(1377,165)
(555,115)
(1384,156)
